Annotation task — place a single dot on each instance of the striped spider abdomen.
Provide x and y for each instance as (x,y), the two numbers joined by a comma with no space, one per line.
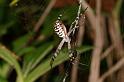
(60,29)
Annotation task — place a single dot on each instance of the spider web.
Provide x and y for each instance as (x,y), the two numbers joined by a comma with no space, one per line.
(29,11)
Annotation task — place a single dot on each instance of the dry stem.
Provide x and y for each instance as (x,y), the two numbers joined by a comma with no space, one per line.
(94,70)
(107,52)
(44,15)
(112,70)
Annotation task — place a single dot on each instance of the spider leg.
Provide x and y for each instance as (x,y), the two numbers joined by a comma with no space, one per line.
(72,24)
(56,52)
(69,44)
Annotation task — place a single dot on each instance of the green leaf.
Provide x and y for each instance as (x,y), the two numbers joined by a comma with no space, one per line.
(5,27)
(45,65)
(8,56)
(84,48)
(2,79)
(20,42)
(14,3)
(4,69)
(31,60)
(25,50)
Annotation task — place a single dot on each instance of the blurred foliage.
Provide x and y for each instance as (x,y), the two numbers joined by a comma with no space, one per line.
(21,49)
(28,53)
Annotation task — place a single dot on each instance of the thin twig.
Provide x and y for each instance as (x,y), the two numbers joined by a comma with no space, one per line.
(44,15)
(40,22)
(116,22)
(89,13)
(117,38)
(95,63)
(107,51)
(112,70)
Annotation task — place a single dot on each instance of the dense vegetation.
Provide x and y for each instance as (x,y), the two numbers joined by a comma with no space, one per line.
(28,41)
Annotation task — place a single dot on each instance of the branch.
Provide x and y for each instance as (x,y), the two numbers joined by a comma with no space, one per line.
(89,13)
(94,73)
(112,70)
(44,15)
(107,52)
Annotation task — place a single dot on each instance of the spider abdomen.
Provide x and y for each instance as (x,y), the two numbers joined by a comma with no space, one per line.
(60,29)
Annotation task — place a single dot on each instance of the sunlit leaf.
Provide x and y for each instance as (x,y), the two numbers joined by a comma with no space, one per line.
(8,56)
(14,3)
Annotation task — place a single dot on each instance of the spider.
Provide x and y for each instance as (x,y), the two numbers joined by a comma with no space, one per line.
(61,31)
